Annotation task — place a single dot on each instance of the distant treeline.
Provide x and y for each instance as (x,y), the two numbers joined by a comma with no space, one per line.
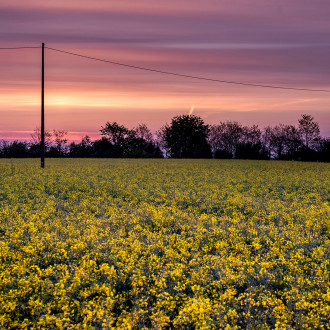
(187,136)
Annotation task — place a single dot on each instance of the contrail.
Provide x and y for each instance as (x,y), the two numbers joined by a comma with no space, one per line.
(192,108)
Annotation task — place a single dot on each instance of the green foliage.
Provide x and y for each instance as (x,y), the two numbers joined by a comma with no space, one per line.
(193,244)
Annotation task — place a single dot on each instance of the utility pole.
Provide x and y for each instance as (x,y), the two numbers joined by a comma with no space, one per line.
(42,141)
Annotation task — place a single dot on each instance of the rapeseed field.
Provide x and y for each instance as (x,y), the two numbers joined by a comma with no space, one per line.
(189,244)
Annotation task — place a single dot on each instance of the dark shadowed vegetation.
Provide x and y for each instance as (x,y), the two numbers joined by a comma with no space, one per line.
(187,136)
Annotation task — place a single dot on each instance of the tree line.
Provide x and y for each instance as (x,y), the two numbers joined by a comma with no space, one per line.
(187,136)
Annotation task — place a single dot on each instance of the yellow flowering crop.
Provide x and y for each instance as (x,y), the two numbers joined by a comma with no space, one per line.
(192,244)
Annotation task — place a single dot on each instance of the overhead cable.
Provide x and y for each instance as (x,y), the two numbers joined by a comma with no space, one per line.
(10,48)
(187,76)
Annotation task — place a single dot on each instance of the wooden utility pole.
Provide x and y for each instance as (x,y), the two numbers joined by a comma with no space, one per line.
(42,140)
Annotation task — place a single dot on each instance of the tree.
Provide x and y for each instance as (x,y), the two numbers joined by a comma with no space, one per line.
(86,141)
(324,152)
(140,144)
(143,132)
(215,138)
(292,142)
(224,139)
(83,149)
(115,133)
(15,149)
(310,131)
(104,148)
(274,139)
(35,146)
(60,141)
(160,143)
(250,135)
(282,141)
(249,146)
(186,137)
(3,146)
(136,143)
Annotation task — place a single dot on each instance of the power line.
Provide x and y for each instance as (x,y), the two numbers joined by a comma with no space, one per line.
(10,48)
(188,76)
(171,73)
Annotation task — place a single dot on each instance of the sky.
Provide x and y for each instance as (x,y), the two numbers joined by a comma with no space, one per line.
(282,43)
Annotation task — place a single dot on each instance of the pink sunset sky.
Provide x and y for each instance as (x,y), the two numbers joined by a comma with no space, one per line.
(283,43)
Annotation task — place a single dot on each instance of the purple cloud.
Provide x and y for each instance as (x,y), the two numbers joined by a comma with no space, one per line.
(282,43)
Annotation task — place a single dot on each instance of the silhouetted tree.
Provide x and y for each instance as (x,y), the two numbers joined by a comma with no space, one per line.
(140,143)
(15,149)
(310,131)
(283,141)
(60,143)
(224,139)
(104,148)
(3,145)
(215,139)
(142,132)
(274,139)
(82,149)
(136,143)
(117,135)
(324,151)
(311,140)
(35,145)
(249,146)
(223,154)
(160,143)
(292,142)
(186,137)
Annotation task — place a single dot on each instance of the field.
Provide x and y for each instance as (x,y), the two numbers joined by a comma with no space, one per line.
(158,244)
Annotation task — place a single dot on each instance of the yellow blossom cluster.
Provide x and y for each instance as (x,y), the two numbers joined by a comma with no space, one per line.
(164,244)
